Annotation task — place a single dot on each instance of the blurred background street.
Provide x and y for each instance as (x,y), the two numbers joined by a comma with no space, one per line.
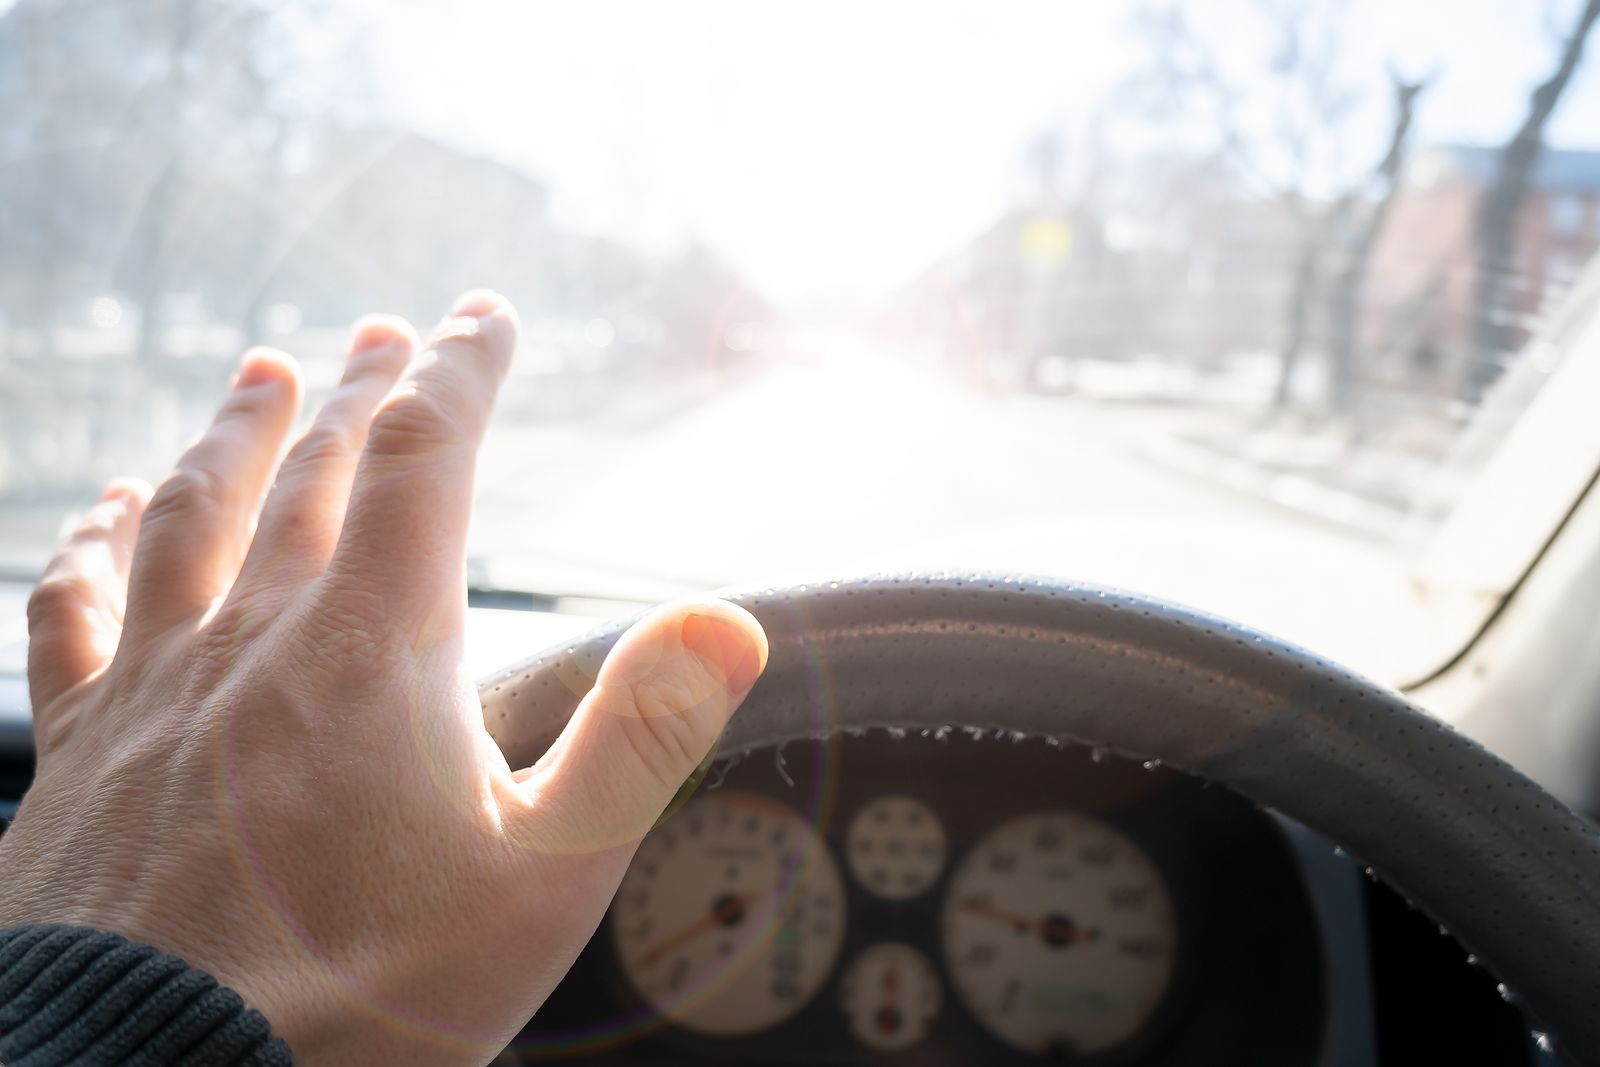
(1203,300)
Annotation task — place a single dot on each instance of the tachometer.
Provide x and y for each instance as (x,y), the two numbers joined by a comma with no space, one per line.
(731,917)
(1059,934)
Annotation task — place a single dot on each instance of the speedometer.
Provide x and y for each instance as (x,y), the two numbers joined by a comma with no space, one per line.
(731,916)
(1059,934)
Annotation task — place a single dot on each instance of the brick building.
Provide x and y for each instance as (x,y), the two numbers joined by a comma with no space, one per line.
(1419,300)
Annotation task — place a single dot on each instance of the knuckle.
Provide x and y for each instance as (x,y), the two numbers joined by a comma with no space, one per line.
(415,422)
(353,620)
(673,728)
(330,438)
(346,658)
(377,370)
(236,625)
(471,369)
(57,593)
(187,489)
(665,749)
(239,406)
(474,360)
(665,694)
(97,525)
(246,405)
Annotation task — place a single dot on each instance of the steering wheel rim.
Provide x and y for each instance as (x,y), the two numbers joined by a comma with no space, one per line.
(1506,868)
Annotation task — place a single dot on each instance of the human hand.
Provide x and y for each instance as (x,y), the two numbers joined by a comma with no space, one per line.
(258,748)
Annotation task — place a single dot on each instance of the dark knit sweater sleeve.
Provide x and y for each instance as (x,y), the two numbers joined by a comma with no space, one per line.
(69,994)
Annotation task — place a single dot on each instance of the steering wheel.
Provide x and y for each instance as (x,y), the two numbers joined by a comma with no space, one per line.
(1505,867)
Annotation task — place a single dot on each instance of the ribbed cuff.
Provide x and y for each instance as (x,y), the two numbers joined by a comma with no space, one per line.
(70,994)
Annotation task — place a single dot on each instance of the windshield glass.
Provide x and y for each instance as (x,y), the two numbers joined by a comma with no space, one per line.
(1196,299)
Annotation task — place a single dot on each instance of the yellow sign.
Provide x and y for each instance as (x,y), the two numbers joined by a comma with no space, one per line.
(1045,241)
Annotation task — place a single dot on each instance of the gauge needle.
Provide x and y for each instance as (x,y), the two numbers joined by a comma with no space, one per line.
(725,911)
(1055,929)
(888,1015)
(1019,922)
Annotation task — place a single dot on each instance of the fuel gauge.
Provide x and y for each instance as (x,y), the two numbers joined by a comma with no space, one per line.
(890,995)
(895,847)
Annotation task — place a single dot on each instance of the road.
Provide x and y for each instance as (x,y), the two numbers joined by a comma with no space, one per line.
(851,465)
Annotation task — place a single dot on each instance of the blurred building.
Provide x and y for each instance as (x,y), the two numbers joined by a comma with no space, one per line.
(1202,277)
(1236,266)
(1021,293)
(1419,303)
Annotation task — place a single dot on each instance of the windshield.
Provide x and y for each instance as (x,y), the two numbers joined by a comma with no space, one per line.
(1196,299)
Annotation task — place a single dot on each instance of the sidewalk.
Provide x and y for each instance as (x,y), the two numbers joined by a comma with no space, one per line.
(1370,486)
(1367,478)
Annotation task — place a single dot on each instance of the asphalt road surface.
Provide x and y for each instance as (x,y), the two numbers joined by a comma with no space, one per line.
(852,465)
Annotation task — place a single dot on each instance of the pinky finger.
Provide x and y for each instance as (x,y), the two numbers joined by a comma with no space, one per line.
(75,613)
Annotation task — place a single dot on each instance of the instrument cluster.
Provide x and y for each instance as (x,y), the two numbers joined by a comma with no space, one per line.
(948,900)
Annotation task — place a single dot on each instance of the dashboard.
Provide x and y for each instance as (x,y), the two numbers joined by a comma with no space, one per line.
(965,899)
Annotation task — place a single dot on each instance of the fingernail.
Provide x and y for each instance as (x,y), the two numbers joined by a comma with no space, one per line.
(119,489)
(476,304)
(371,338)
(727,646)
(256,372)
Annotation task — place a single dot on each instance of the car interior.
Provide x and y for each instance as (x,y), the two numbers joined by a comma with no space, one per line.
(1157,441)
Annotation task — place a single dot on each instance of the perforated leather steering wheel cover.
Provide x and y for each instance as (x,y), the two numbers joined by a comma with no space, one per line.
(1504,866)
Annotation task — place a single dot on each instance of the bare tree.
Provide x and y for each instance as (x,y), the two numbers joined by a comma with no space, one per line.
(1496,225)
(153,235)
(47,215)
(1278,133)
(1361,236)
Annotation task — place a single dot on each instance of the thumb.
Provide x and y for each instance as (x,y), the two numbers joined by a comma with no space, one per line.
(659,704)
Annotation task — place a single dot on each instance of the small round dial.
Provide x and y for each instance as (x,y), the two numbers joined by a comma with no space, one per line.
(731,916)
(1060,934)
(895,847)
(890,995)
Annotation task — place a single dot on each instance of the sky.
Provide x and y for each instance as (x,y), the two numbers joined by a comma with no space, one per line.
(823,145)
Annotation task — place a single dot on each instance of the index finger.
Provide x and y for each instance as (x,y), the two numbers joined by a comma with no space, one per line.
(405,530)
